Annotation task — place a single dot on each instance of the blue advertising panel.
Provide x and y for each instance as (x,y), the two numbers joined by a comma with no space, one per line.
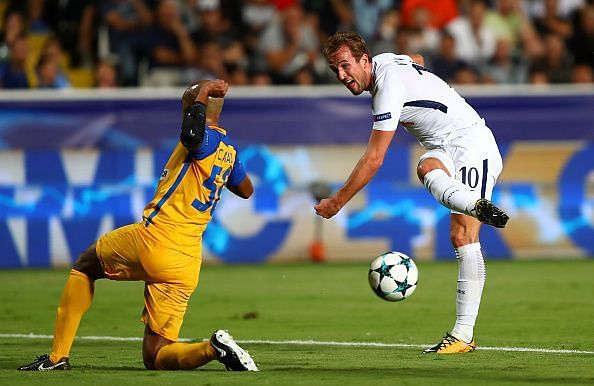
(73,169)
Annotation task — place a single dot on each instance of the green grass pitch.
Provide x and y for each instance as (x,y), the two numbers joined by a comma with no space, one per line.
(289,315)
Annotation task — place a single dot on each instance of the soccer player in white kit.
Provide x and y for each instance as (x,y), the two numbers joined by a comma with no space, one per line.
(459,168)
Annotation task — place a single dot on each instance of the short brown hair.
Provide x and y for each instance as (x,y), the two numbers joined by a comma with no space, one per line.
(353,40)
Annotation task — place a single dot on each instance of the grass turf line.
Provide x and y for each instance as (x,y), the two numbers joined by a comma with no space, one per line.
(534,304)
(307,343)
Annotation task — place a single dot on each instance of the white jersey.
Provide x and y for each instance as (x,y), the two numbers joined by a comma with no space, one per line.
(405,92)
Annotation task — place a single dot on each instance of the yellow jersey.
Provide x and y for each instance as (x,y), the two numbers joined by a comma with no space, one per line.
(189,190)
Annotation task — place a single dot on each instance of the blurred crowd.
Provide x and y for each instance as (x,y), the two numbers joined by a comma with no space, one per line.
(119,43)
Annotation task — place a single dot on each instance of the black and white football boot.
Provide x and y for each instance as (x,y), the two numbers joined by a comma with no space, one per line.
(489,214)
(230,354)
(44,363)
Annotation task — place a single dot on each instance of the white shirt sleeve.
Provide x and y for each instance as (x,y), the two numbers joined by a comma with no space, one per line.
(388,101)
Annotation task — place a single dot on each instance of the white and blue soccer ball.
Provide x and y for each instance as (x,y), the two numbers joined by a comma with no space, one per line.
(393,276)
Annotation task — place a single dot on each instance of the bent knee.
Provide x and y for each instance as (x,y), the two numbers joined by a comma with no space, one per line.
(461,237)
(151,345)
(427,165)
(89,264)
(149,361)
(149,355)
(459,241)
(422,169)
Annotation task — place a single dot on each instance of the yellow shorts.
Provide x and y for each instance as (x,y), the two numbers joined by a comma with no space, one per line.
(131,253)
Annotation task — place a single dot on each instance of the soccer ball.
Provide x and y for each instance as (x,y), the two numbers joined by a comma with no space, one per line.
(393,276)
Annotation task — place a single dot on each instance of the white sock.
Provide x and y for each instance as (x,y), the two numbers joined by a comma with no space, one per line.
(450,192)
(471,280)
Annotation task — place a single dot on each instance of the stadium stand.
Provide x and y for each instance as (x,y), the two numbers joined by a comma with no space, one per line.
(167,42)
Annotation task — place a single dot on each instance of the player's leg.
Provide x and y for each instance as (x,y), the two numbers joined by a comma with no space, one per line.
(479,170)
(448,191)
(173,281)
(165,307)
(159,353)
(464,235)
(76,299)
(114,255)
(452,193)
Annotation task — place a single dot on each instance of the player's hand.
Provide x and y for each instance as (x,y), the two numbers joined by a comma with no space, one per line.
(328,207)
(217,88)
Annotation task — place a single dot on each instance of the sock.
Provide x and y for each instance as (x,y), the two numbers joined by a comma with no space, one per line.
(450,192)
(471,280)
(184,356)
(76,300)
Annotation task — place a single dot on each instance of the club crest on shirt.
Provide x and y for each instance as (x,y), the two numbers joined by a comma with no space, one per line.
(164,174)
(382,117)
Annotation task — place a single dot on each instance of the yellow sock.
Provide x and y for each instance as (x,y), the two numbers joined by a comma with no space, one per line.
(184,356)
(76,300)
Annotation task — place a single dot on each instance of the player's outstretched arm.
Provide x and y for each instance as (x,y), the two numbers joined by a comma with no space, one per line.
(368,165)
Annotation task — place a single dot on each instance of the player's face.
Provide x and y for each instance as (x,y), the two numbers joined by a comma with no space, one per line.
(354,74)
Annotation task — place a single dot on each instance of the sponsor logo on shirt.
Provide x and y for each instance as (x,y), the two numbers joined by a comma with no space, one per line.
(382,117)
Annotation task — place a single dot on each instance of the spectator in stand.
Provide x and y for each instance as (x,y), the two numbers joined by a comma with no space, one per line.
(555,65)
(475,41)
(52,49)
(51,65)
(187,12)
(504,68)
(211,64)
(216,27)
(13,26)
(127,21)
(260,79)
(402,42)
(168,42)
(467,75)
(73,22)
(35,22)
(49,74)
(550,22)
(445,63)
(510,23)
(441,12)
(582,73)
(368,15)
(582,43)
(387,34)
(565,8)
(255,17)
(424,38)
(290,46)
(105,75)
(538,76)
(329,16)
(13,73)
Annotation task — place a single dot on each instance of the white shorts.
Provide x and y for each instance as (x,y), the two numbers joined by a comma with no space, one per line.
(473,159)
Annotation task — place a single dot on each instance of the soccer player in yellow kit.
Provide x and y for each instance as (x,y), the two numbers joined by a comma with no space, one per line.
(164,250)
